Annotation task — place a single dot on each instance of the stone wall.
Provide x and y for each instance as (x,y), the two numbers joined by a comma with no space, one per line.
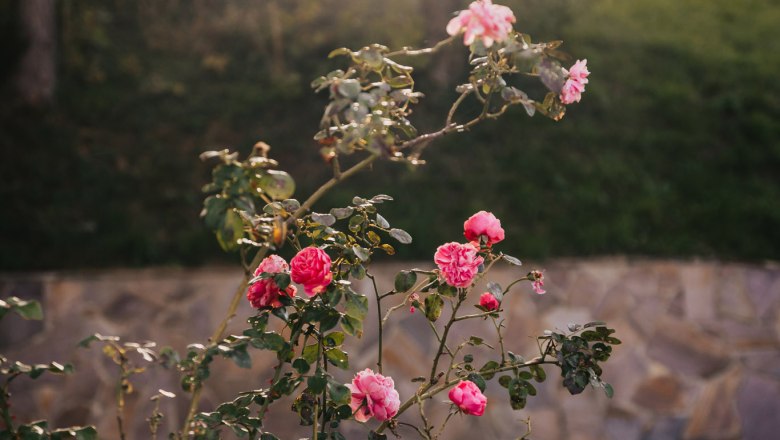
(700,359)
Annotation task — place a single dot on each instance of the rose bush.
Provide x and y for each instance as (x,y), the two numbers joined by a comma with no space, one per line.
(251,210)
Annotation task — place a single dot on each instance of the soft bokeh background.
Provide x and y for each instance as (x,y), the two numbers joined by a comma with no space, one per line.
(675,150)
(673,154)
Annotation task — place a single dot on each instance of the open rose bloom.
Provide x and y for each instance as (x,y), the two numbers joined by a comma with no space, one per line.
(311,268)
(483,225)
(467,396)
(373,395)
(458,263)
(482,20)
(265,293)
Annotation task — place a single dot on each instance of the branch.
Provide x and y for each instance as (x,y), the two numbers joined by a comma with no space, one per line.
(407,51)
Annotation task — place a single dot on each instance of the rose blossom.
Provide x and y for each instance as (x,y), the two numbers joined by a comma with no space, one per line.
(458,263)
(485,224)
(482,20)
(373,395)
(467,396)
(575,85)
(265,292)
(311,268)
(488,301)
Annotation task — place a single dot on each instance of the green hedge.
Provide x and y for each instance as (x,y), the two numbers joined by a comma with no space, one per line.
(674,150)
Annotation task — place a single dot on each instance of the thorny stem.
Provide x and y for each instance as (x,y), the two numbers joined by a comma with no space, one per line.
(219,332)
(440,351)
(5,405)
(316,401)
(455,106)
(444,424)
(426,426)
(500,339)
(379,322)
(277,373)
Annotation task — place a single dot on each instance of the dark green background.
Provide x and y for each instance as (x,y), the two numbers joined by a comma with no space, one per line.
(674,150)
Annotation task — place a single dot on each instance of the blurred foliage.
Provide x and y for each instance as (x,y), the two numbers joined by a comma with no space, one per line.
(674,150)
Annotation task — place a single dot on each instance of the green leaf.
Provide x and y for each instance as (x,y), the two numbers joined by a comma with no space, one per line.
(512,260)
(310,353)
(258,322)
(241,357)
(402,236)
(268,436)
(399,82)
(269,341)
(339,393)
(356,306)
(538,372)
(487,369)
(323,219)
(447,290)
(478,380)
(608,390)
(329,319)
(361,253)
(504,381)
(433,306)
(357,272)
(405,280)
(382,222)
(214,208)
(26,309)
(349,88)
(230,231)
(342,213)
(317,383)
(338,358)
(343,412)
(475,340)
(379,198)
(334,339)
(339,52)
(352,326)
(301,365)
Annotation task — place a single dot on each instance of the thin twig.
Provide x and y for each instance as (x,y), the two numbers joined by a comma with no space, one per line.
(379,320)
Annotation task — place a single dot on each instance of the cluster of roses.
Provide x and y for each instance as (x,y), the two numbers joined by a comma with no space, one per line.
(459,263)
(493,23)
(374,395)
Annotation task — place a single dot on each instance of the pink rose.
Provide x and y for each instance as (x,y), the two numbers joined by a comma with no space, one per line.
(458,263)
(575,85)
(488,301)
(467,396)
(265,292)
(373,395)
(484,224)
(311,268)
(482,20)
